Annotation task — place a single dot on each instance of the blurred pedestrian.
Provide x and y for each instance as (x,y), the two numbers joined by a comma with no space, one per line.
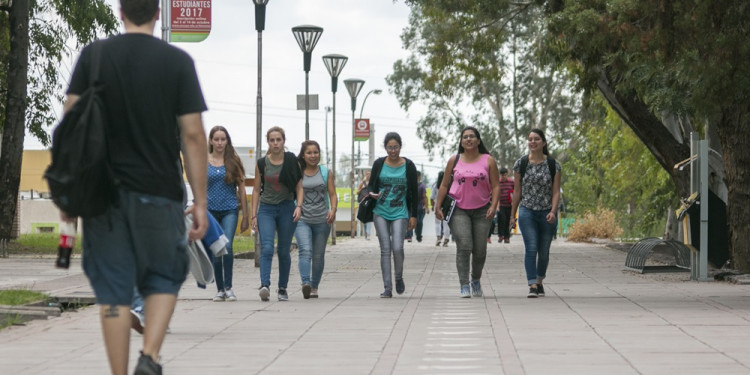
(153,104)
(361,194)
(506,202)
(442,229)
(422,210)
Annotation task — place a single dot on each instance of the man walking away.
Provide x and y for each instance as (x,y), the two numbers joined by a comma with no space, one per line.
(153,101)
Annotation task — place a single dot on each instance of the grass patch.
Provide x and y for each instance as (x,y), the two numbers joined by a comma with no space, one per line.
(39,243)
(20,297)
(242,244)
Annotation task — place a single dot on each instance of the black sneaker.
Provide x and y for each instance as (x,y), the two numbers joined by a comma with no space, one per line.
(306,289)
(282,295)
(540,290)
(533,292)
(147,366)
(400,287)
(386,294)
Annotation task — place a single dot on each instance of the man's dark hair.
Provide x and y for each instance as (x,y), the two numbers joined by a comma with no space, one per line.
(503,170)
(139,11)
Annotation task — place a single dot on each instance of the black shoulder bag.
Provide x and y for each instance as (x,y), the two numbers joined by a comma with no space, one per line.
(449,203)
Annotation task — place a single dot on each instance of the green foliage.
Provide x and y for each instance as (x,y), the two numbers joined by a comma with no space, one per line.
(40,243)
(612,168)
(52,26)
(477,62)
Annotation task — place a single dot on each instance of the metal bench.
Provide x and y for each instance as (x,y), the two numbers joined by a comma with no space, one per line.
(641,250)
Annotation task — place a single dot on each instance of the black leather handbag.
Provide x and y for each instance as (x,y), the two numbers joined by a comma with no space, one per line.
(366,206)
(449,204)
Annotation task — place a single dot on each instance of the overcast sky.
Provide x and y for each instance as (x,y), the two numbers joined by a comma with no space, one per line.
(366,31)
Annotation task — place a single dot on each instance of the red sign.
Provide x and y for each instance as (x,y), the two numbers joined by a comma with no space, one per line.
(361,129)
(190,20)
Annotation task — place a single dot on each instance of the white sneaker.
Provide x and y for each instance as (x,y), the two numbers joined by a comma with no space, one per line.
(230,297)
(136,321)
(220,296)
(263,292)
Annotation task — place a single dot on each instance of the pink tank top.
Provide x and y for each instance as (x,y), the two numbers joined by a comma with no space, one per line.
(471,186)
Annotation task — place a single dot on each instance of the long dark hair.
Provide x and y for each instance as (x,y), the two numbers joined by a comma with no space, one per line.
(540,133)
(301,155)
(481,148)
(235,172)
(441,174)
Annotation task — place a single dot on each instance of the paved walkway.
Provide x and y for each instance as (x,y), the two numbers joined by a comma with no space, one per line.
(596,319)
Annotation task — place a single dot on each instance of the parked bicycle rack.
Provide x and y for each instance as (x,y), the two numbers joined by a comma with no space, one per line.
(639,253)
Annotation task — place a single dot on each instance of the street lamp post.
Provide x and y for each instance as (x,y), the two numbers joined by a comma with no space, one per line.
(362,109)
(328,153)
(307,37)
(260,25)
(335,64)
(354,86)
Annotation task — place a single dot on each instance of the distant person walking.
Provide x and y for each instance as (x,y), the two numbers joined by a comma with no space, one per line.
(423,209)
(154,102)
(537,192)
(275,192)
(318,212)
(442,229)
(394,184)
(476,191)
(361,194)
(506,203)
(226,196)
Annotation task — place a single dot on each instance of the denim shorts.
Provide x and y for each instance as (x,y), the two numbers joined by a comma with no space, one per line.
(142,242)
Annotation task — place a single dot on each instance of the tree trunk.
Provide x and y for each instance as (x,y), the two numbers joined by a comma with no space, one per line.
(648,128)
(734,131)
(15,115)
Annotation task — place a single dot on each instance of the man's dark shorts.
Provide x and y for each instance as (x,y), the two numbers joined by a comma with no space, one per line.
(140,242)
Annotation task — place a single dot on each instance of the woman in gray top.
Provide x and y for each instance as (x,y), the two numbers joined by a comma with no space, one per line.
(318,212)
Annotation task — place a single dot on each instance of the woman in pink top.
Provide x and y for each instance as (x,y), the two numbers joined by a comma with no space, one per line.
(476,190)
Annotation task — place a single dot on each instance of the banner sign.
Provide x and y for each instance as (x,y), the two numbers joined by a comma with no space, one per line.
(361,129)
(190,20)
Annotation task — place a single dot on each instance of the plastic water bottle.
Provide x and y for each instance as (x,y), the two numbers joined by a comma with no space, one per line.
(65,247)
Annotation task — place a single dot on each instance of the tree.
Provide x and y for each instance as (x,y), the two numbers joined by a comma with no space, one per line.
(612,168)
(666,68)
(37,32)
(474,63)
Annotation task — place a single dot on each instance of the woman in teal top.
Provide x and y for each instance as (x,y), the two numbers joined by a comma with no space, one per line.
(393,182)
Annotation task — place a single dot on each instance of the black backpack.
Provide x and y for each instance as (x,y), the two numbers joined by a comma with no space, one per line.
(525,163)
(80,178)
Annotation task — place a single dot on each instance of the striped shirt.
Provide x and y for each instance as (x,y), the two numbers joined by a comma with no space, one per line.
(506,188)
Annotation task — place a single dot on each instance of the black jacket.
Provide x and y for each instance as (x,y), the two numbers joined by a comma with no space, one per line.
(290,173)
(412,189)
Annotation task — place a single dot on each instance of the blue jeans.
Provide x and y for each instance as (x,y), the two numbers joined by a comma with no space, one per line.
(391,238)
(312,239)
(272,219)
(420,225)
(224,265)
(470,228)
(537,236)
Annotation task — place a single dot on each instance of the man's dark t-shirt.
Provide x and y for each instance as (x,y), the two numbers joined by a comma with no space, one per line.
(147,85)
